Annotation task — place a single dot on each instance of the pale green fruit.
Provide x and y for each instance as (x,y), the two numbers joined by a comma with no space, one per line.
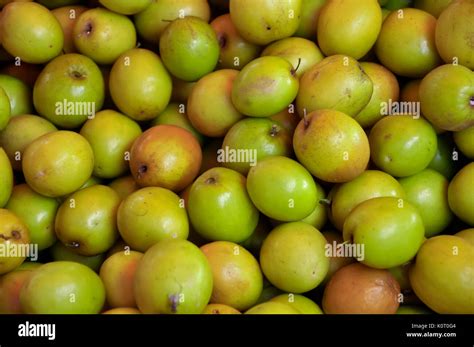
(151,22)
(186,61)
(262,22)
(209,105)
(19,94)
(69,90)
(58,163)
(110,135)
(220,208)
(282,189)
(37,212)
(31,32)
(15,234)
(337,82)
(86,222)
(464,140)
(447,97)
(124,186)
(301,53)
(103,35)
(18,134)
(61,252)
(139,84)
(6,184)
(264,87)
(435,7)
(5,110)
(318,217)
(173,276)
(126,6)
(310,10)
(51,287)
(54,3)
(299,302)
(428,191)
(293,257)
(461,194)
(349,27)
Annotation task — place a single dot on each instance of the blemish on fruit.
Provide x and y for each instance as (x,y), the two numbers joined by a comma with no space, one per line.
(16,234)
(211,180)
(88,28)
(471,101)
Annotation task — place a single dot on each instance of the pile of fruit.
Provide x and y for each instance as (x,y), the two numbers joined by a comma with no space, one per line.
(257,156)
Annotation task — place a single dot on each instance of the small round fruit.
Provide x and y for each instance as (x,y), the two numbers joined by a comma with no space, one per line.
(87,220)
(220,208)
(299,302)
(466,234)
(5,109)
(19,94)
(15,237)
(389,229)
(166,156)
(293,257)
(331,145)
(124,186)
(125,6)
(402,145)
(282,189)
(118,273)
(150,215)
(464,140)
(60,252)
(63,287)
(237,278)
(219,309)
(6,184)
(173,276)
(461,194)
(271,307)
(441,276)
(359,289)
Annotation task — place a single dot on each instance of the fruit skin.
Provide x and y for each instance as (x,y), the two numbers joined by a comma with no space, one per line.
(10,287)
(52,286)
(122,310)
(174,114)
(235,52)
(310,11)
(124,186)
(173,276)
(271,307)
(464,140)
(359,289)
(368,185)
(435,7)
(148,84)
(402,145)
(331,145)
(167,156)
(335,261)
(402,35)
(151,22)
(150,215)
(118,274)
(237,278)
(298,302)
(125,6)
(349,27)
(86,221)
(467,234)
(6,184)
(263,136)
(441,276)
(300,52)
(390,229)
(31,32)
(428,191)
(219,309)
(385,88)
(461,194)
(282,189)
(293,257)
(446,96)
(209,105)
(70,79)
(454,33)
(67,17)
(219,206)
(443,161)
(58,163)
(19,94)
(5,110)
(187,61)
(103,35)
(60,252)
(262,22)
(413,309)
(15,234)
(265,86)
(37,212)
(110,134)
(337,82)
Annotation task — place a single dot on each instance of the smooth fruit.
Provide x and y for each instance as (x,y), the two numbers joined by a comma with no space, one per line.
(14,240)
(461,194)
(6,185)
(299,302)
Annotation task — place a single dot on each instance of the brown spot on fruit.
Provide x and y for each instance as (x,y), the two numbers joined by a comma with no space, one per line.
(16,234)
